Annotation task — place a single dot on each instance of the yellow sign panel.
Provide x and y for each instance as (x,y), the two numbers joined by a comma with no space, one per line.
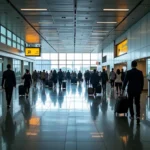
(32,51)
(122,48)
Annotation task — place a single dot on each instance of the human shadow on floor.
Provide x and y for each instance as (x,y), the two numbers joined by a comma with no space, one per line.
(95,108)
(104,104)
(60,98)
(8,131)
(125,130)
(27,112)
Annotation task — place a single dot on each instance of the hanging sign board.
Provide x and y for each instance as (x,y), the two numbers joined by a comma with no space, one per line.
(32,51)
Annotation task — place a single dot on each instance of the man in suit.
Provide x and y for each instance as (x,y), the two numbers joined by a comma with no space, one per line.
(135,80)
(8,82)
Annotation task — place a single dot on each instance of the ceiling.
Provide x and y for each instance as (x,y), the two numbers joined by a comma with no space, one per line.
(71,25)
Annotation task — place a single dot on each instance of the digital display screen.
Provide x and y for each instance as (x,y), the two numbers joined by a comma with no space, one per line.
(122,48)
(33,51)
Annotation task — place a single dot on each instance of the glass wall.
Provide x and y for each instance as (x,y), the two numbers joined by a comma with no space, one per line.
(10,39)
(17,69)
(66,61)
(26,66)
(1,70)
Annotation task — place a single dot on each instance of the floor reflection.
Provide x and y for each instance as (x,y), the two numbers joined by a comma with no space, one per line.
(56,118)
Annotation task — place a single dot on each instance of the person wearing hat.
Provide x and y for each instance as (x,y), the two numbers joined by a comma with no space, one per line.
(27,81)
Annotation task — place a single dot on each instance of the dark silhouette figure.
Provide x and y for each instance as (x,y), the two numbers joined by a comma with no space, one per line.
(8,82)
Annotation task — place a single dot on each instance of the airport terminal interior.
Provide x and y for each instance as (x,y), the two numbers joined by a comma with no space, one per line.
(73,35)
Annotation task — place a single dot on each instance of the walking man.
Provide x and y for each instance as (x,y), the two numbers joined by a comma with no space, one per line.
(112,77)
(135,80)
(8,82)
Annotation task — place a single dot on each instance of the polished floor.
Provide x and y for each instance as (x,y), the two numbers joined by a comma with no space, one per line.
(70,120)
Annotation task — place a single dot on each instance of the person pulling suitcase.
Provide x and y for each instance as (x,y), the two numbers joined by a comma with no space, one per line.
(135,80)
(27,82)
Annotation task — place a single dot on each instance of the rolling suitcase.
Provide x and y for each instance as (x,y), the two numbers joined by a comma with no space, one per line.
(21,90)
(122,105)
(64,85)
(50,84)
(98,89)
(90,91)
(75,81)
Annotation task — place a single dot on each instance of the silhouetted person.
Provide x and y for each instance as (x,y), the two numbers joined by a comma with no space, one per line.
(112,77)
(27,82)
(122,75)
(68,75)
(60,77)
(118,81)
(8,82)
(54,78)
(135,80)
(35,78)
(87,76)
(79,76)
(104,79)
(8,131)
(94,80)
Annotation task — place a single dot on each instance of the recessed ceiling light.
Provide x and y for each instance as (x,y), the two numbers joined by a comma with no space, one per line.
(33,9)
(106,9)
(100,31)
(106,22)
(46,22)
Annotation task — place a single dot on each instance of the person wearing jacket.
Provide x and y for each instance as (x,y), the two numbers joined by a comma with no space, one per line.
(54,78)
(112,77)
(87,77)
(8,82)
(104,79)
(94,80)
(79,76)
(60,77)
(118,81)
(68,75)
(35,78)
(135,80)
(27,81)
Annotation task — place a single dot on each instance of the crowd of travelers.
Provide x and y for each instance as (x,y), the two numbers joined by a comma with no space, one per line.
(119,79)
(91,77)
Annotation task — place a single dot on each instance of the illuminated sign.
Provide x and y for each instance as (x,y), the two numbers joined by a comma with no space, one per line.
(33,51)
(122,48)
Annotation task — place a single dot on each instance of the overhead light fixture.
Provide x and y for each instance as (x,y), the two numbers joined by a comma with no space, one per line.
(33,9)
(107,9)
(107,22)
(100,31)
(46,22)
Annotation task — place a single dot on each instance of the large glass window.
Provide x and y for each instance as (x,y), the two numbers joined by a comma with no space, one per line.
(14,38)
(17,69)
(66,61)
(62,62)
(14,44)
(70,56)
(3,39)
(62,56)
(9,34)
(18,40)
(94,56)
(86,56)
(45,56)
(3,30)
(54,56)
(78,56)
(8,42)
